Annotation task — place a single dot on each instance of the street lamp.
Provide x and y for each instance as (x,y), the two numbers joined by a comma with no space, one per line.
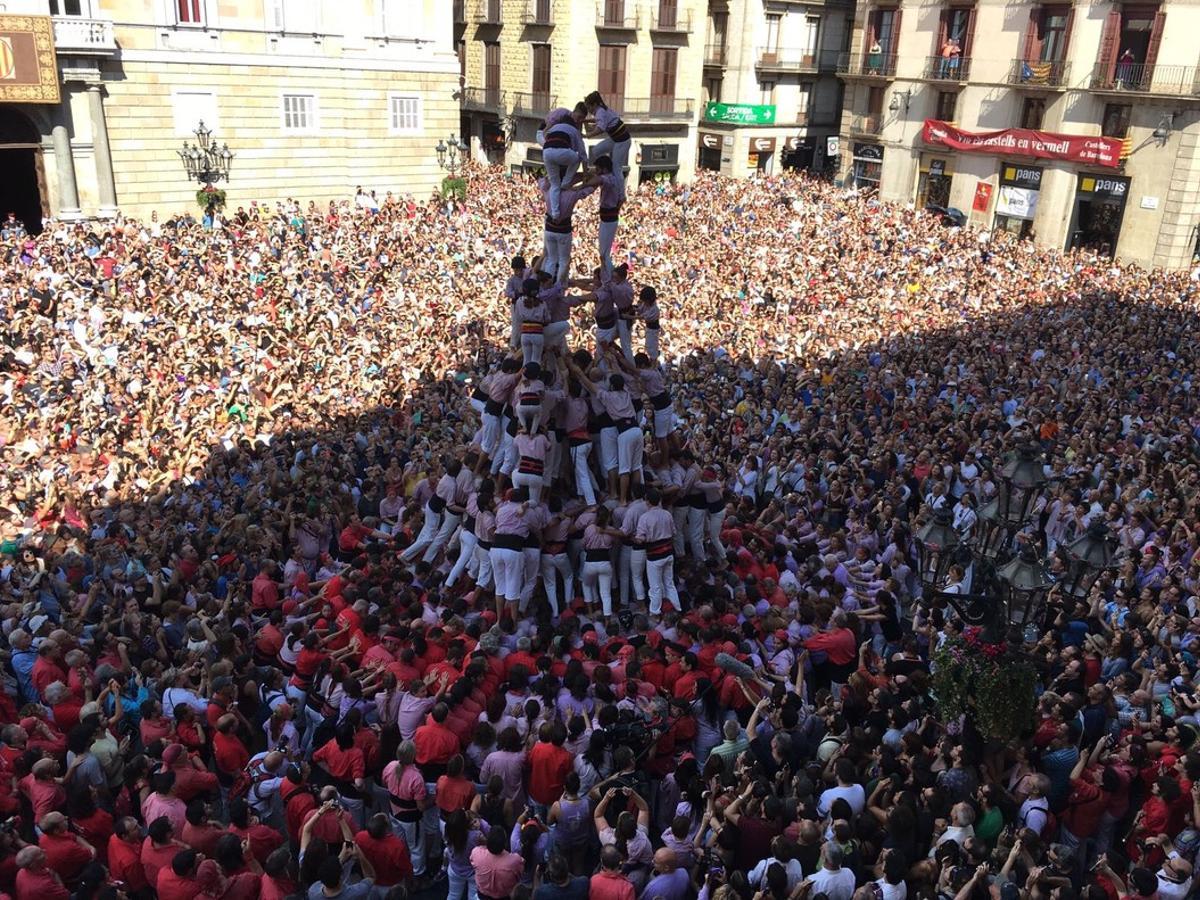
(1010,580)
(451,154)
(204,161)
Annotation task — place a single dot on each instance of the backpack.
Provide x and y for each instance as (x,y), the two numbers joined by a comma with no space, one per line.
(1049,831)
(246,783)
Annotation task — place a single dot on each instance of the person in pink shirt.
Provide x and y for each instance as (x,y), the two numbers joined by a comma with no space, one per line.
(612,195)
(532,448)
(409,799)
(656,531)
(497,871)
(598,540)
(161,801)
(499,390)
(610,882)
(554,560)
(532,314)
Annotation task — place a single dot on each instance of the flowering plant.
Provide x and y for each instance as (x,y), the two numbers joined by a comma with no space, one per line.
(209,195)
(988,682)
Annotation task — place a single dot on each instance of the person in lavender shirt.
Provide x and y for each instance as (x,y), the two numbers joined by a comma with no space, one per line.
(463,833)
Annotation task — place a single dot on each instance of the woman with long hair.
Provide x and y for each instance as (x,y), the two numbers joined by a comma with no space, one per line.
(464,831)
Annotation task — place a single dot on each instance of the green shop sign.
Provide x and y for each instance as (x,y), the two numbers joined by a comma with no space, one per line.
(739,113)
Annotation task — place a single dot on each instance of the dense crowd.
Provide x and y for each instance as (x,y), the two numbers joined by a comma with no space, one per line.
(312,585)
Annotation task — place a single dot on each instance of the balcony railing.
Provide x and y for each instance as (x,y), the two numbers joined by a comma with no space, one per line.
(538,13)
(867,65)
(1035,73)
(952,68)
(534,104)
(489,13)
(617,15)
(89,36)
(671,20)
(1175,81)
(657,109)
(795,59)
(715,54)
(868,124)
(486,99)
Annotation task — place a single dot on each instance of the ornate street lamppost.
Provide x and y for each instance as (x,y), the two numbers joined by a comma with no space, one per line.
(204,161)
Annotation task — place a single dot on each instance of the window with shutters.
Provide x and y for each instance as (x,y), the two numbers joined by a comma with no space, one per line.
(1129,47)
(491,73)
(300,112)
(773,23)
(1115,123)
(541,70)
(1052,36)
(881,30)
(404,114)
(1033,110)
(662,79)
(189,12)
(766,93)
(612,74)
(875,101)
(712,90)
(947,106)
(668,13)
(956,25)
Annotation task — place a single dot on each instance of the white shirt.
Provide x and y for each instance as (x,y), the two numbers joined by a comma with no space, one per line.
(837,885)
(854,795)
(794,873)
(893,891)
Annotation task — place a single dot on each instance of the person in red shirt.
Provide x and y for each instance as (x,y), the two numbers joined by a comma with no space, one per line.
(192,778)
(159,848)
(125,855)
(48,668)
(92,823)
(229,753)
(685,685)
(223,695)
(549,764)
(345,766)
(42,789)
(435,743)
(154,726)
(262,841)
(386,852)
(277,883)
(610,882)
(36,880)
(454,790)
(264,591)
(178,880)
(201,832)
(66,853)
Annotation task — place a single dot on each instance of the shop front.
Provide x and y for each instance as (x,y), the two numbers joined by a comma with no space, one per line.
(866,167)
(1097,213)
(658,163)
(709,152)
(762,155)
(1017,201)
(933,183)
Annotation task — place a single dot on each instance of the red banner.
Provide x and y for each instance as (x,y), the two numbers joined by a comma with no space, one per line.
(983,197)
(1095,151)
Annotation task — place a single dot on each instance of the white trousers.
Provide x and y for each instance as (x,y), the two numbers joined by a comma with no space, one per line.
(530,417)
(597,584)
(533,482)
(626,339)
(554,565)
(508,568)
(583,473)
(531,566)
(652,344)
(633,573)
(467,545)
(442,538)
(484,577)
(631,444)
(490,433)
(608,449)
(429,530)
(679,514)
(695,531)
(715,521)
(661,575)
(561,165)
(558,255)
(531,347)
